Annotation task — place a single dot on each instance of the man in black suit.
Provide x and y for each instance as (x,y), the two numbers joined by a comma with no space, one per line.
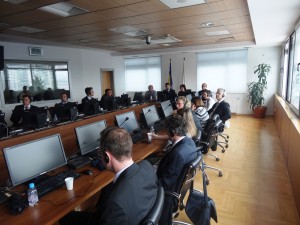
(107,100)
(183,151)
(134,189)
(88,101)
(221,107)
(169,93)
(22,115)
(62,109)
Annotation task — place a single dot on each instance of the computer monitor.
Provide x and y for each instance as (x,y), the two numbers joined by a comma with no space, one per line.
(31,159)
(88,136)
(167,108)
(150,115)
(161,96)
(91,107)
(138,96)
(65,112)
(2,117)
(110,103)
(127,121)
(38,118)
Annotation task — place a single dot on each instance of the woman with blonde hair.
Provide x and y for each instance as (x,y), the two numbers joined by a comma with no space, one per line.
(187,115)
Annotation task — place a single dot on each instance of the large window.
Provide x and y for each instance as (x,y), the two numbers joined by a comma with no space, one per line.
(141,72)
(41,80)
(223,70)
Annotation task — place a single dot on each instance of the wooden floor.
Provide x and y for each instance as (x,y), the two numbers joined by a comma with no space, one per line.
(255,187)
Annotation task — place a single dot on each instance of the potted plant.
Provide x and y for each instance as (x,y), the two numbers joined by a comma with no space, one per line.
(257,89)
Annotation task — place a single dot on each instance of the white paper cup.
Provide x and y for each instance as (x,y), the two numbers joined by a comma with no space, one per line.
(149,137)
(69,183)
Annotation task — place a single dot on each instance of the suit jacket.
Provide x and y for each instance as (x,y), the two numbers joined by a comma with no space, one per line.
(170,95)
(222,109)
(130,199)
(149,94)
(19,113)
(87,105)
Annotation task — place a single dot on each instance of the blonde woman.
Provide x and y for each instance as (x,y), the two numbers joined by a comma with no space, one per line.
(187,115)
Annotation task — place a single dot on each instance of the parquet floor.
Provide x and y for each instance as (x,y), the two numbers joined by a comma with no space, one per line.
(255,187)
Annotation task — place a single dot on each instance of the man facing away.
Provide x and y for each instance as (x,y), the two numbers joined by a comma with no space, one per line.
(133,191)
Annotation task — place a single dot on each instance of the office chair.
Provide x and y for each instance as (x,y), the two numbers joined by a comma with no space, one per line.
(183,184)
(220,128)
(155,212)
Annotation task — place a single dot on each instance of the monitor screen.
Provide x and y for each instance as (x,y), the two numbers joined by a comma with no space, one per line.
(150,114)
(91,107)
(127,121)
(63,111)
(31,159)
(161,96)
(88,136)
(138,96)
(167,108)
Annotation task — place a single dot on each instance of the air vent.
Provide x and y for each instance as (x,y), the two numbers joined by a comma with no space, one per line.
(26,29)
(130,31)
(63,9)
(216,33)
(181,3)
(165,40)
(15,1)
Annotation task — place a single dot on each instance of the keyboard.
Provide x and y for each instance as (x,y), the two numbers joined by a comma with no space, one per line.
(50,183)
(78,162)
(137,137)
(3,197)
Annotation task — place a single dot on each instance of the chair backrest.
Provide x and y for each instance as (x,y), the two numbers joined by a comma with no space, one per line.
(155,212)
(186,179)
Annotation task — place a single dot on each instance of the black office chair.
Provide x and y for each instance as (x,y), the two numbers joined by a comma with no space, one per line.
(219,128)
(183,185)
(154,214)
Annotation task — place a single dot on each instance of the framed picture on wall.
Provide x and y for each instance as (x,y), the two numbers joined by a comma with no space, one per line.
(35,51)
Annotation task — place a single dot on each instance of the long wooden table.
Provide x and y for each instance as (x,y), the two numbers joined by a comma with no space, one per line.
(58,203)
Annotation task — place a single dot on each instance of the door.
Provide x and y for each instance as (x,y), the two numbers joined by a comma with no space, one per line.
(107,80)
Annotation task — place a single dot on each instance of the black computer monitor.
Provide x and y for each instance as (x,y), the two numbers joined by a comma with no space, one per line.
(31,159)
(161,96)
(110,103)
(88,136)
(138,96)
(150,114)
(2,117)
(127,121)
(167,108)
(66,112)
(125,100)
(91,107)
(38,118)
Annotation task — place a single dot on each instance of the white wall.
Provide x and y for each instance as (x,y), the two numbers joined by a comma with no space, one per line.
(238,102)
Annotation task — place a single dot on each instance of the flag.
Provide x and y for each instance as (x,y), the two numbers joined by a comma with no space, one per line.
(170,80)
(183,73)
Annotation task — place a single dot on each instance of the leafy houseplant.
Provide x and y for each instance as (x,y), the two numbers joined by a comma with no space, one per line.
(257,90)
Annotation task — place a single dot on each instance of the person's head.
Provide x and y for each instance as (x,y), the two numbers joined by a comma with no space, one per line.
(176,127)
(24,88)
(220,94)
(182,87)
(205,95)
(183,102)
(196,103)
(115,147)
(204,86)
(89,91)
(64,97)
(168,86)
(150,88)
(108,92)
(189,119)
(26,99)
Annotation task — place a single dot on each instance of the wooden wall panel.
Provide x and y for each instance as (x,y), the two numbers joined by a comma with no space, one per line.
(277,116)
(284,135)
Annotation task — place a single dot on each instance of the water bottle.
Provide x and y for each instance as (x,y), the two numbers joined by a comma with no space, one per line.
(55,118)
(152,130)
(32,195)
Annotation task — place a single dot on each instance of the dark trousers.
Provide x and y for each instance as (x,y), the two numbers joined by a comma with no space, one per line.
(76,218)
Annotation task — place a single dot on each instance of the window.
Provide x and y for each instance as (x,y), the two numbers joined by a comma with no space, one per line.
(284,69)
(141,72)
(223,70)
(41,80)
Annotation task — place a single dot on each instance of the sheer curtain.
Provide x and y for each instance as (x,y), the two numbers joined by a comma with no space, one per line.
(226,70)
(141,72)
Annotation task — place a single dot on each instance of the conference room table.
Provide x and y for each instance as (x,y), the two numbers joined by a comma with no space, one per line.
(56,204)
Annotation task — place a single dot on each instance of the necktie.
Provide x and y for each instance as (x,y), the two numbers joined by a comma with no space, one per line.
(216,106)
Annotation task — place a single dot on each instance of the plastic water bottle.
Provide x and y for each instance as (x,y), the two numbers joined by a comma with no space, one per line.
(152,130)
(32,195)
(55,118)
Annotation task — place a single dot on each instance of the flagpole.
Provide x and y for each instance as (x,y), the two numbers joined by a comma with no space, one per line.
(183,72)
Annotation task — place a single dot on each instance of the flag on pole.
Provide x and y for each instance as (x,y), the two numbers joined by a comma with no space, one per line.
(170,80)
(183,73)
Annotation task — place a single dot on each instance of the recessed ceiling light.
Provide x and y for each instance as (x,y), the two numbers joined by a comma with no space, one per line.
(84,41)
(181,3)
(63,9)
(216,33)
(26,29)
(207,24)
(167,45)
(15,1)
(130,31)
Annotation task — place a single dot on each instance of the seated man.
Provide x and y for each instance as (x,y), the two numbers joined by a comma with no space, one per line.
(204,88)
(221,107)
(183,151)
(150,95)
(62,109)
(106,101)
(169,93)
(134,188)
(207,99)
(22,114)
(88,101)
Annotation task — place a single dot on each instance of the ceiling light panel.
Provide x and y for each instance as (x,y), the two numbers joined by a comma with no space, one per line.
(26,29)
(173,4)
(63,9)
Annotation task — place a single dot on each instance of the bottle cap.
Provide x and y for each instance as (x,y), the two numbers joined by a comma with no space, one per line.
(31,185)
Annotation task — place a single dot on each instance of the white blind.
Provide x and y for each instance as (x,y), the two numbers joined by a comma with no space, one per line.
(226,70)
(141,72)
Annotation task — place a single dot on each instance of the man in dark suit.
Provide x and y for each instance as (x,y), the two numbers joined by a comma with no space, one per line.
(172,164)
(221,107)
(88,101)
(134,189)
(22,114)
(62,109)
(169,93)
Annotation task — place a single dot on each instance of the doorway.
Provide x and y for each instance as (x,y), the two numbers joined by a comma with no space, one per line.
(107,80)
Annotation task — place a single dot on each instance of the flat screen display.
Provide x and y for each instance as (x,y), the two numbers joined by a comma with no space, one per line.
(150,114)
(167,108)
(31,159)
(127,121)
(88,136)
